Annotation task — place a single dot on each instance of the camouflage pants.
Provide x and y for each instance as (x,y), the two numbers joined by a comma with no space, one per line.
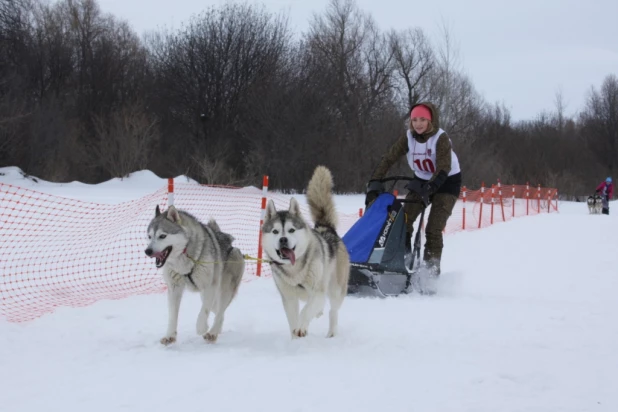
(442,205)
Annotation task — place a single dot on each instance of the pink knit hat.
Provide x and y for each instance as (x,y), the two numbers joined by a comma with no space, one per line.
(421,111)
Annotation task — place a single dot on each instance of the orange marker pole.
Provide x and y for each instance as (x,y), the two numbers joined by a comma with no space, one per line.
(263,215)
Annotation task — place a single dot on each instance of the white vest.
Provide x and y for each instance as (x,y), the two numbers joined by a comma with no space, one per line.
(422,156)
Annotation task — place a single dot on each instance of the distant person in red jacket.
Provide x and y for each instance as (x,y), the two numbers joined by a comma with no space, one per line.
(606,190)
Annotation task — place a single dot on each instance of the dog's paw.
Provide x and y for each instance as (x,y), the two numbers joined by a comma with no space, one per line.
(299,333)
(320,313)
(202,327)
(210,337)
(168,340)
(330,334)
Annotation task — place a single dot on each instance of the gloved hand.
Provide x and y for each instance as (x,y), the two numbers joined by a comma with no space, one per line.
(374,188)
(432,186)
(428,188)
(420,189)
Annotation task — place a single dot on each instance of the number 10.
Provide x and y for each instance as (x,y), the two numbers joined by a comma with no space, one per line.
(425,166)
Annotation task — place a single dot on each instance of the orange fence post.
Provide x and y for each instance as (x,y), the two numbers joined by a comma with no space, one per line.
(491,219)
(513,201)
(556,200)
(170,191)
(482,199)
(262,216)
(527,198)
(463,224)
(501,202)
(538,197)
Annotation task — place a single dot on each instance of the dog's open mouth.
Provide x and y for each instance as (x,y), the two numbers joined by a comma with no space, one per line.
(287,254)
(161,257)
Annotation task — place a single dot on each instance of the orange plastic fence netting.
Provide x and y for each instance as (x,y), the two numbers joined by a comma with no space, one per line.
(59,251)
(499,203)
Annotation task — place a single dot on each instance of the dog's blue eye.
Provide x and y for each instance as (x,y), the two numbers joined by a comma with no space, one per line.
(275,232)
(292,230)
(162,236)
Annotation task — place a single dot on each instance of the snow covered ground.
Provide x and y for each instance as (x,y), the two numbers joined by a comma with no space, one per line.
(525,320)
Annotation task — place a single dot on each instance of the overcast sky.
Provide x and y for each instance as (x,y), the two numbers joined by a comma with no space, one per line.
(516,52)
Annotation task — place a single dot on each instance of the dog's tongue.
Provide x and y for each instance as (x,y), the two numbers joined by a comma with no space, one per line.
(158,255)
(288,253)
(158,258)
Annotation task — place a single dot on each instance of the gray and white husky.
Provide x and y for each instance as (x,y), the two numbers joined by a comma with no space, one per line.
(595,204)
(198,257)
(308,264)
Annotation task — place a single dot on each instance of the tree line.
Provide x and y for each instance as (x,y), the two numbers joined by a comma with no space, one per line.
(234,94)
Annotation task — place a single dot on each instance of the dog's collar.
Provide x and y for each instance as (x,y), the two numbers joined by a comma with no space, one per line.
(184,252)
(195,262)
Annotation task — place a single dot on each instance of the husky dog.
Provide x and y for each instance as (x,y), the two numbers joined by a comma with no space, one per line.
(199,257)
(599,204)
(595,204)
(590,202)
(308,264)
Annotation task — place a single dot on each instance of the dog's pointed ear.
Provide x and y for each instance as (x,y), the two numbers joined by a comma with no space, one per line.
(157,211)
(271,210)
(294,207)
(173,215)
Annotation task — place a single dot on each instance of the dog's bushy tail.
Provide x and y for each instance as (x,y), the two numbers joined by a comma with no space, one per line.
(320,198)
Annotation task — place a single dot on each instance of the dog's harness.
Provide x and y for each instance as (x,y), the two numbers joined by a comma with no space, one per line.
(190,274)
(191,278)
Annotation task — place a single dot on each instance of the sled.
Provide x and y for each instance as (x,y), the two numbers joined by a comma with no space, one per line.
(376,244)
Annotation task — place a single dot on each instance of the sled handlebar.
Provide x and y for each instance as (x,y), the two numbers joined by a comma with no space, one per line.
(414,186)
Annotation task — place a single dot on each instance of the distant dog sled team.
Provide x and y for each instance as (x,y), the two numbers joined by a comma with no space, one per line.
(598,203)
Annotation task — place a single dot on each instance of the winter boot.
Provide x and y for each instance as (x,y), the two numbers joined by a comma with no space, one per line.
(433,267)
(605,211)
(427,277)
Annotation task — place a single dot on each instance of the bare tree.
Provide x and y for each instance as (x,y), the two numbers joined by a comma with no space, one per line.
(205,71)
(413,61)
(14,108)
(560,107)
(126,139)
(453,91)
(213,168)
(600,120)
(353,64)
